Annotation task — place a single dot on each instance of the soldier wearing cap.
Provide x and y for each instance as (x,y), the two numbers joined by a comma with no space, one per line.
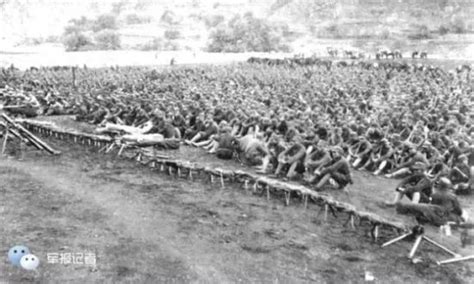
(315,161)
(415,160)
(444,197)
(417,187)
(336,172)
(460,172)
(466,173)
(292,157)
(443,206)
(384,158)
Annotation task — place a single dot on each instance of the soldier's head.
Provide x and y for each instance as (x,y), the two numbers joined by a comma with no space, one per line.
(443,185)
(336,152)
(463,159)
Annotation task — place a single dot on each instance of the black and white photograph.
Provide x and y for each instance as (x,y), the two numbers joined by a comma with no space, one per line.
(237,141)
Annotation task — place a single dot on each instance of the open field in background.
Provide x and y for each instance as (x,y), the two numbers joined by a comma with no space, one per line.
(24,59)
(122,58)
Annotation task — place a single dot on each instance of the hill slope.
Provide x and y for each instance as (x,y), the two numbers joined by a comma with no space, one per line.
(141,21)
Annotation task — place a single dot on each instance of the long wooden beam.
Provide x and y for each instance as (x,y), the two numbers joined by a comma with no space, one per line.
(242,176)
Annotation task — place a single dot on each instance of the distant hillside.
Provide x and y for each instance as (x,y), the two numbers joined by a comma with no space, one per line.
(144,22)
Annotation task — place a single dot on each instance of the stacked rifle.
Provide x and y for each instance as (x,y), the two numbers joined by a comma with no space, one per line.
(12,128)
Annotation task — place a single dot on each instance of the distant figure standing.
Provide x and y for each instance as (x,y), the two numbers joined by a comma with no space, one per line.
(172,61)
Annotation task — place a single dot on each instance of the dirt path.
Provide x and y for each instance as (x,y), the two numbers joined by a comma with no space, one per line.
(145,227)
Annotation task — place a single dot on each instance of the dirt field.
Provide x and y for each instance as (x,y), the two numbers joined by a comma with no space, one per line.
(147,227)
(58,57)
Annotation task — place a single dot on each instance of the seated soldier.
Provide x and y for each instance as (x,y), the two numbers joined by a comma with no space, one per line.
(373,157)
(430,151)
(276,145)
(225,144)
(337,172)
(414,157)
(335,138)
(361,152)
(236,125)
(28,106)
(460,172)
(314,162)
(417,187)
(55,107)
(112,116)
(179,122)
(249,126)
(466,185)
(438,169)
(210,128)
(384,160)
(293,157)
(253,151)
(213,142)
(350,144)
(196,124)
(97,115)
(442,207)
(141,116)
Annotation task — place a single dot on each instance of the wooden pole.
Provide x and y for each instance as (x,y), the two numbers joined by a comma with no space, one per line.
(28,135)
(5,139)
(73,78)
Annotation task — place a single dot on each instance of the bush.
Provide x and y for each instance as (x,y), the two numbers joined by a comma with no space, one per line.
(458,26)
(443,29)
(172,34)
(75,34)
(77,42)
(134,19)
(77,26)
(421,32)
(155,44)
(385,34)
(107,40)
(171,46)
(334,31)
(141,5)
(247,33)
(169,18)
(105,22)
(118,7)
(52,39)
(213,21)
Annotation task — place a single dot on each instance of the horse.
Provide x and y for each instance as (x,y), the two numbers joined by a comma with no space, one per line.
(332,51)
(397,53)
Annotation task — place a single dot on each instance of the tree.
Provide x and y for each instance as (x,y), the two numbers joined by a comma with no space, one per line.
(172,34)
(107,40)
(77,42)
(105,22)
(247,33)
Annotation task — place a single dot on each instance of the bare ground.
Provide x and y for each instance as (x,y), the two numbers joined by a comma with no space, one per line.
(147,227)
